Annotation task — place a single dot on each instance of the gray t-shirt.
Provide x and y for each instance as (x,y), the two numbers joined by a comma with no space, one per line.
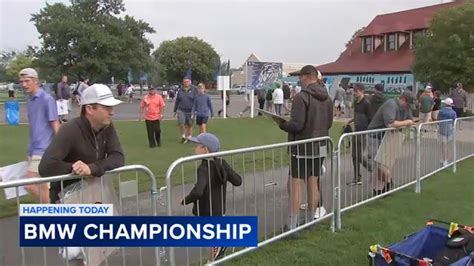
(82,87)
(389,112)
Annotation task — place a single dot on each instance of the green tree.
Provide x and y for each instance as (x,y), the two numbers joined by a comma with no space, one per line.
(445,55)
(5,59)
(20,61)
(172,58)
(90,38)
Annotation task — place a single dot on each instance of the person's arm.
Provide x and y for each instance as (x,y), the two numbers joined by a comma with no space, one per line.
(350,121)
(198,190)
(465,99)
(52,162)
(298,114)
(330,113)
(115,157)
(209,103)
(367,111)
(52,112)
(162,107)
(404,123)
(233,177)
(176,103)
(193,110)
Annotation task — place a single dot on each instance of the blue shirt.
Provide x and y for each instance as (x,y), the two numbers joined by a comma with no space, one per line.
(185,100)
(202,106)
(446,128)
(41,111)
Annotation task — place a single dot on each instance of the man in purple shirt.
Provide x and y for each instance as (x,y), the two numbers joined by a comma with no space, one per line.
(63,93)
(43,120)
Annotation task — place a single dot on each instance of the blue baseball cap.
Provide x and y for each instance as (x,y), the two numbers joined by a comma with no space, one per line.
(207,139)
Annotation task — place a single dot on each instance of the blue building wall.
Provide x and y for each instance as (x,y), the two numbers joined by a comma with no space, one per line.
(393,83)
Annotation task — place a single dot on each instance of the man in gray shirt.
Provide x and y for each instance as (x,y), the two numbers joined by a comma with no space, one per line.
(459,96)
(394,113)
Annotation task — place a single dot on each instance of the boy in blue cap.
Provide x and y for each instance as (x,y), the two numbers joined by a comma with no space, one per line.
(209,192)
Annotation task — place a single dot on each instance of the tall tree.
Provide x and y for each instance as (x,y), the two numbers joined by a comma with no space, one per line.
(5,58)
(20,61)
(173,57)
(446,55)
(89,38)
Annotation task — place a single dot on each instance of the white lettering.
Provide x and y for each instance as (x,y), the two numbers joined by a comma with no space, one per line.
(155,229)
(221,231)
(208,230)
(86,231)
(245,229)
(47,232)
(66,232)
(196,232)
(109,231)
(139,233)
(122,232)
(181,229)
(30,231)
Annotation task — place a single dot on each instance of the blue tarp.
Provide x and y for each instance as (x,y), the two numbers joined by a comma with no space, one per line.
(12,112)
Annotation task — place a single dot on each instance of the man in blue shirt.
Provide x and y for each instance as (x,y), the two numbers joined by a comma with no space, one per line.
(43,120)
(183,108)
(446,128)
(202,108)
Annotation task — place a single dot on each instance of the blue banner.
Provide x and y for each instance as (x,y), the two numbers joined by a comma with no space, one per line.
(263,74)
(12,112)
(138,231)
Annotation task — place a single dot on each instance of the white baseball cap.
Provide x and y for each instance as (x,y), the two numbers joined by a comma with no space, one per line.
(28,73)
(99,93)
(448,101)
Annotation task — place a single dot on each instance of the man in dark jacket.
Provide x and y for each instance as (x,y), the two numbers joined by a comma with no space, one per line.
(88,145)
(286,98)
(311,117)
(376,100)
(361,121)
(183,108)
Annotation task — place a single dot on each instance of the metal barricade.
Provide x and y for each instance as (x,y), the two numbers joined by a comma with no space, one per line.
(463,139)
(264,190)
(120,187)
(435,145)
(372,164)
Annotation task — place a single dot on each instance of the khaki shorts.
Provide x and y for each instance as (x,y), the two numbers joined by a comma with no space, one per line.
(33,163)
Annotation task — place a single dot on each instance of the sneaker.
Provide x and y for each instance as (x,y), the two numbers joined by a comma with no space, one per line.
(183,140)
(359,182)
(241,114)
(219,252)
(320,212)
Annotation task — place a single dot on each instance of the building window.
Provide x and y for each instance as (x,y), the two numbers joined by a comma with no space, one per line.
(368,44)
(405,80)
(392,42)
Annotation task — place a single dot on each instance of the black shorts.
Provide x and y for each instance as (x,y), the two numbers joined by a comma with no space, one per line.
(304,168)
(201,120)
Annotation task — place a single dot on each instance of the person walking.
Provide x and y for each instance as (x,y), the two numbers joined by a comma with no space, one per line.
(459,97)
(43,125)
(152,107)
(183,107)
(202,108)
(63,93)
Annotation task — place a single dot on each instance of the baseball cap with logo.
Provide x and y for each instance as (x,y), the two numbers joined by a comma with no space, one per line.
(448,101)
(28,73)
(100,94)
(207,139)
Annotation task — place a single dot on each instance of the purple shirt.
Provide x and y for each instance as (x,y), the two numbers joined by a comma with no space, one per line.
(41,111)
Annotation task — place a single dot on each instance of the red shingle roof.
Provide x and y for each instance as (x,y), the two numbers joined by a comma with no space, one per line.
(352,60)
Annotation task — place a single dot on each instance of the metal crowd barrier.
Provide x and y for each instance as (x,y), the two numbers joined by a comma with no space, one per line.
(372,164)
(264,191)
(464,139)
(119,187)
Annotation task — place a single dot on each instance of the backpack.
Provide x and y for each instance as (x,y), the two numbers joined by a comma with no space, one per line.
(269,95)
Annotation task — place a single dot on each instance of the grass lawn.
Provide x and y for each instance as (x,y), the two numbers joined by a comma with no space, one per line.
(445,196)
(233,133)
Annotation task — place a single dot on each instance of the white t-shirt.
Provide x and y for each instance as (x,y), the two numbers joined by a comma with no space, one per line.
(11,87)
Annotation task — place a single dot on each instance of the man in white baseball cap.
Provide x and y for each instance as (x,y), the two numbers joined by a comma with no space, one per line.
(446,116)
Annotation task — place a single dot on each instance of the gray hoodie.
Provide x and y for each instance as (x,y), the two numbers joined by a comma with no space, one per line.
(311,117)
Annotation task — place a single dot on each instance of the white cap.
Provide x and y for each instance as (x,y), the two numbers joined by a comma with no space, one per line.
(99,93)
(28,73)
(448,101)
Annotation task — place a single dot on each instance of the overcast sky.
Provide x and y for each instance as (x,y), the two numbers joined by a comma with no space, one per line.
(281,31)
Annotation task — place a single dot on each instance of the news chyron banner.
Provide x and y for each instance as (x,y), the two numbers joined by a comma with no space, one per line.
(93,225)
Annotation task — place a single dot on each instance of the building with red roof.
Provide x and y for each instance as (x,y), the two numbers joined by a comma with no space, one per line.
(383,51)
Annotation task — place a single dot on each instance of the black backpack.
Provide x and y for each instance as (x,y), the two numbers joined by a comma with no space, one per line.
(269,95)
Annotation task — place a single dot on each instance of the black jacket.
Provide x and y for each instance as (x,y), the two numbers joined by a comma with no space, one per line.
(210,188)
(376,100)
(76,140)
(311,117)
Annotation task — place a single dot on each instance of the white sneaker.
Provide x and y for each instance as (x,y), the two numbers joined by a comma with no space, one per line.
(320,212)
